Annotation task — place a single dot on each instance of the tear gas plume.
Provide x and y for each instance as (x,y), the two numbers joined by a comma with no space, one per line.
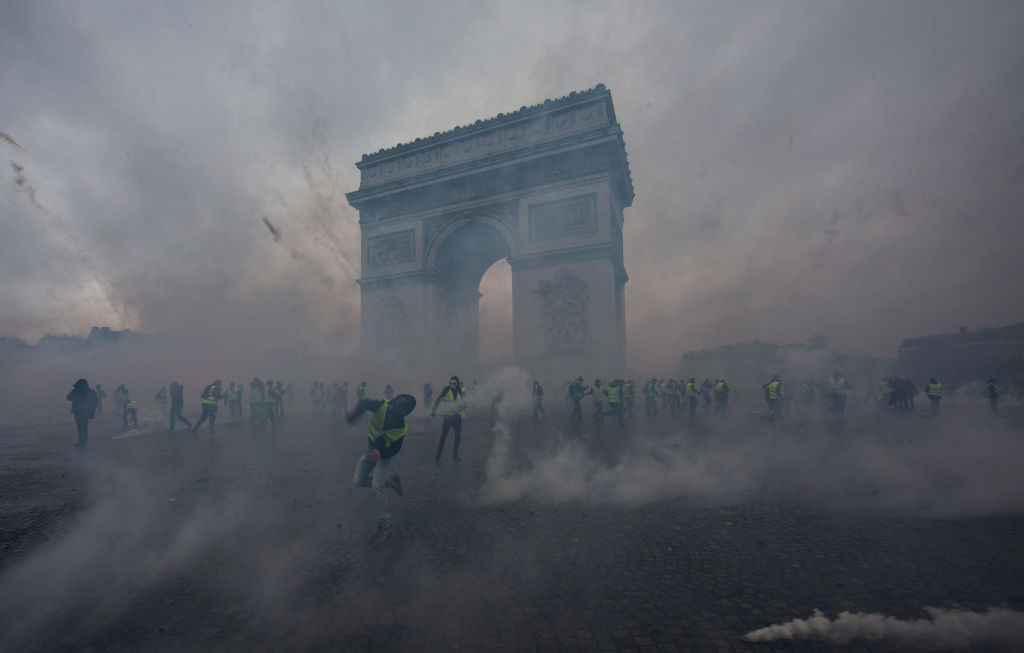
(916,466)
(95,286)
(274,232)
(7,137)
(299,255)
(943,630)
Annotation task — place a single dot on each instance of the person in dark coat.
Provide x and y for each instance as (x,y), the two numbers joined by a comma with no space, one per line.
(84,401)
(177,403)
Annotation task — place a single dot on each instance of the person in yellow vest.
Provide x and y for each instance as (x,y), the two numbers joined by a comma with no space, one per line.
(691,396)
(614,395)
(934,391)
(773,393)
(210,398)
(385,437)
(721,396)
(131,414)
(452,401)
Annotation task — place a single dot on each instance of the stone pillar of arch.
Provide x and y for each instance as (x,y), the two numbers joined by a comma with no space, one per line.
(545,188)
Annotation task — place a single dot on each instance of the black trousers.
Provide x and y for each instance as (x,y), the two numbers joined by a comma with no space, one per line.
(82,422)
(209,413)
(176,412)
(451,423)
(577,411)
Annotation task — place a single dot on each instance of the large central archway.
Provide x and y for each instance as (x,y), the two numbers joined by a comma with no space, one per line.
(544,188)
(459,260)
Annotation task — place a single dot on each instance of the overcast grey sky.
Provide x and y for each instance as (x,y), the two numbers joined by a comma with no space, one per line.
(854,169)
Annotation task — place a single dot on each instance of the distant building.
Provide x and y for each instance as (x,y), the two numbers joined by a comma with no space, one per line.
(758,360)
(965,356)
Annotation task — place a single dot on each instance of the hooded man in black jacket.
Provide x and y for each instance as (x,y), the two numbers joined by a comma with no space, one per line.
(83,406)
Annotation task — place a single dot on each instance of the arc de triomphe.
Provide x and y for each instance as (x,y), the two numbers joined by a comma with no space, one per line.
(545,188)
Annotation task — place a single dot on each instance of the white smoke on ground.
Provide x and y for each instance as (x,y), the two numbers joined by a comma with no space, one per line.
(920,466)
(943,630)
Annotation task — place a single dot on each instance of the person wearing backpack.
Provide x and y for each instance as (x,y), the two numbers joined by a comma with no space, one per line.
(211,397)
(84,401)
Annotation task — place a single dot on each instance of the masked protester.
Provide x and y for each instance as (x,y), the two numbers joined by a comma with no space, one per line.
(385,437)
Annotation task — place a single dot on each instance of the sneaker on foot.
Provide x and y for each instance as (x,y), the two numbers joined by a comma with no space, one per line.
(381,534)
(395,483)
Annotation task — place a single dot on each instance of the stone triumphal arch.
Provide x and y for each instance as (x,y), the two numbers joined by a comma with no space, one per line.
(543,187)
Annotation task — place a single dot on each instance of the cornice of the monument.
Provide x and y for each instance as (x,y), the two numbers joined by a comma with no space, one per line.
(484,124)
(550,124)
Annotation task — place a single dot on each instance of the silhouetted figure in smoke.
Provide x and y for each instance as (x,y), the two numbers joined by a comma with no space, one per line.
(234,399)
(836,387)
(773,394)
(279,396)
(705,394)
(651,397)
(211,397)
(121,397)
(901,389)
(934,392)
(84,402)
(386,435)
(629,396)
(597,399)
(270,401)
(161,398)
(992,392)
(453,407)
(538,401)
(100,394)
(343,396)
(259,413)
(428,397)
(177,403)
(576,392)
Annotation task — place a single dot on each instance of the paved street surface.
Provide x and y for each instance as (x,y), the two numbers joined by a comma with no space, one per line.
(666,535)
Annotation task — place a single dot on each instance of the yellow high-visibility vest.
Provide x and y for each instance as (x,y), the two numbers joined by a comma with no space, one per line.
(377,429)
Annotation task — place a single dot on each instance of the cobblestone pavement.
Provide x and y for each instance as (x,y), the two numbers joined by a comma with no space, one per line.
(235,541)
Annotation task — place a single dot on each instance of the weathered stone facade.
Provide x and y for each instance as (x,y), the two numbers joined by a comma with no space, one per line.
(544,187)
